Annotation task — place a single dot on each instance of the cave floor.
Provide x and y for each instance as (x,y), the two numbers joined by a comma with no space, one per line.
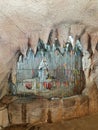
(84,123)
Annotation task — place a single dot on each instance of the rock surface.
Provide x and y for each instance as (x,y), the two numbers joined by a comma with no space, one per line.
(23,111)
(24,22)
(84,123)
(42,111)
(4,121)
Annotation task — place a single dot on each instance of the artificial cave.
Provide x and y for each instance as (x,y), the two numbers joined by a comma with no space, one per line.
(48,64)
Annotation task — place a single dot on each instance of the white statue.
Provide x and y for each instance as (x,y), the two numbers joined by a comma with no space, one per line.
(43,72)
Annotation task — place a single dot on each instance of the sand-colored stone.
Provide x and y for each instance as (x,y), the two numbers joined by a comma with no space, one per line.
(15,113)
(41,111)
(4,121)
(36,111)
(78,106)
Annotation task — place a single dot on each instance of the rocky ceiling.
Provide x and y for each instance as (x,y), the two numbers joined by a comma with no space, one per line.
(24,22)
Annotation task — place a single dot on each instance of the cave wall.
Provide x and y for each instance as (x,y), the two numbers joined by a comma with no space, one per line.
(23,23)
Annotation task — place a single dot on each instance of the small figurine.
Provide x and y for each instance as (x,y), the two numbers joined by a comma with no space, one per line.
(43,71)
